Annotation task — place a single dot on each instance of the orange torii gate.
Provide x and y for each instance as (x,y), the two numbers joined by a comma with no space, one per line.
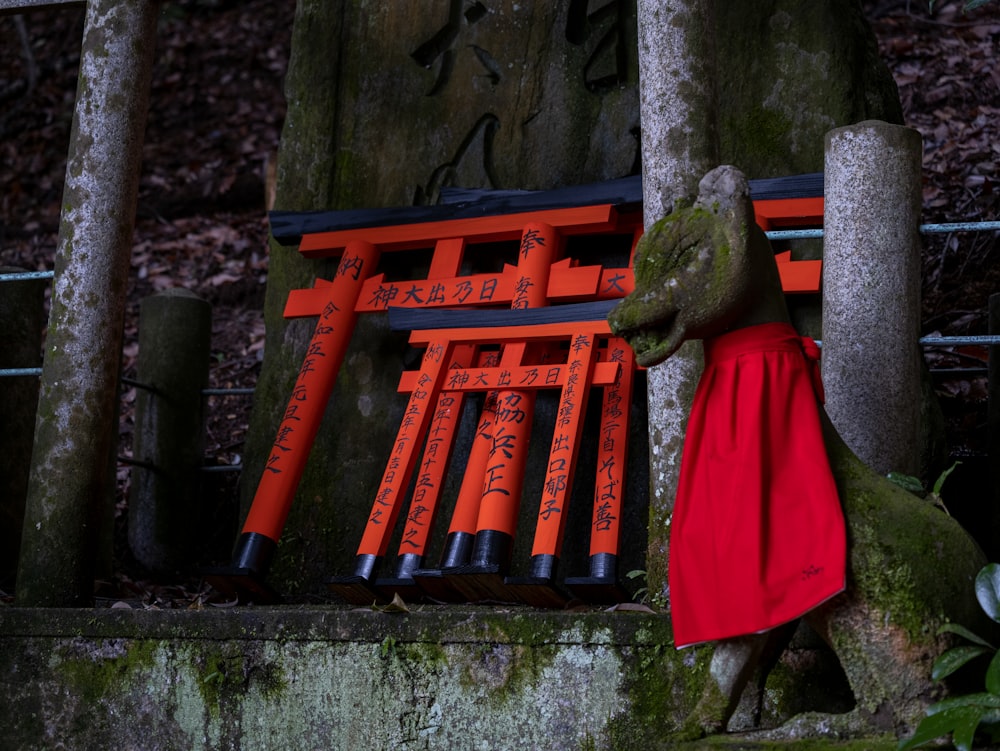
(587,365)
(358,288)
(574,379)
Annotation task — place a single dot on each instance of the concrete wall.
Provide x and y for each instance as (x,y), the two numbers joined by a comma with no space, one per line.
(327,678)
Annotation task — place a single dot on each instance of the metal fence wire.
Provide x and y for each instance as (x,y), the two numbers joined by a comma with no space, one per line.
(987,340)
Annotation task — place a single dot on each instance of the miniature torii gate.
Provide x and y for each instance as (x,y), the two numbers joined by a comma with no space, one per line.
(541,277)
(494,474)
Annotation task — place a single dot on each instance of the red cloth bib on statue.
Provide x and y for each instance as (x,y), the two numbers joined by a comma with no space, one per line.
(757,535)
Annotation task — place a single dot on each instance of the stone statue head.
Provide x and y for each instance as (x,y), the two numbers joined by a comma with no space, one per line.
(703,269)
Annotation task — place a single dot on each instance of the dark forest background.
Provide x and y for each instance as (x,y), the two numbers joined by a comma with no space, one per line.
(215,119)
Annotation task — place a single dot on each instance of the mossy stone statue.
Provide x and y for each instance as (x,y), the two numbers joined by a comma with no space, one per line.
(704,269)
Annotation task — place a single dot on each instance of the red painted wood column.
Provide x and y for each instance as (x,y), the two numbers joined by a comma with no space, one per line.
(461,535)
(602,584)
(303,415)
(501,496)
(388,502)
(538,588)
(429,484)
(551,523)
(445,264)
(465,516)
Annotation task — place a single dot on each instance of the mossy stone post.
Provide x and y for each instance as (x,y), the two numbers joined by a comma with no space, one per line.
(679,145)
(76,430)
(407,101)
(527,95)
(22,319)
(871,293)
(751,85)
(175,331)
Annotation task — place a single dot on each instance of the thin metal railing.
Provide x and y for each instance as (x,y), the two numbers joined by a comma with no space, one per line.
(795,234)
(925,229)
(24,276)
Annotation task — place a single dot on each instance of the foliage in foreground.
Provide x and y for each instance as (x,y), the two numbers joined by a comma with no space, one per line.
(963,716)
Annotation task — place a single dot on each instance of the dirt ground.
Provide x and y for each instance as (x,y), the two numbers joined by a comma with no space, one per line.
(216,112)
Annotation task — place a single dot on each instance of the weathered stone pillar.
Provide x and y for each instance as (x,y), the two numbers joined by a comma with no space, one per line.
(516,94)
(22,319)
(175,332)
(76,428)
(871,292)
(679,145)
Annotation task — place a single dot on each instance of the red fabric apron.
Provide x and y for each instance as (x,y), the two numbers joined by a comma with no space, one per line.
(757,535)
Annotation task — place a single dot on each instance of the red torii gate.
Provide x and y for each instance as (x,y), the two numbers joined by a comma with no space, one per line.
(483,577)
(357,288)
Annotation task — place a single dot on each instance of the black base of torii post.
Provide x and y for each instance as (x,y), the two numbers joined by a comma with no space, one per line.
(244,579)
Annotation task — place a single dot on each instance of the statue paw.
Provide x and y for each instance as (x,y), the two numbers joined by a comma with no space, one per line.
(688,732)
(822,725)
(696,727)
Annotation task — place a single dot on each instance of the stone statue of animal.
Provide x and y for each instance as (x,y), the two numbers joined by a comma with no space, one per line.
(707,268)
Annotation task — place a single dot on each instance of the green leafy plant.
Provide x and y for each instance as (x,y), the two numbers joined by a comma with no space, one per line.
(387,648)
(913,484)
(642,593)
(962,716)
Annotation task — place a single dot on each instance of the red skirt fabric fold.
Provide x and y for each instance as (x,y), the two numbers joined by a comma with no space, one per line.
(757,535)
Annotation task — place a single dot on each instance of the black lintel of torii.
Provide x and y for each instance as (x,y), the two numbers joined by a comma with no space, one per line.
(423,319)
(287,227)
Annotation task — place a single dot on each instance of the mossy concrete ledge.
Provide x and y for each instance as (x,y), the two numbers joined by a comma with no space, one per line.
(337,678)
